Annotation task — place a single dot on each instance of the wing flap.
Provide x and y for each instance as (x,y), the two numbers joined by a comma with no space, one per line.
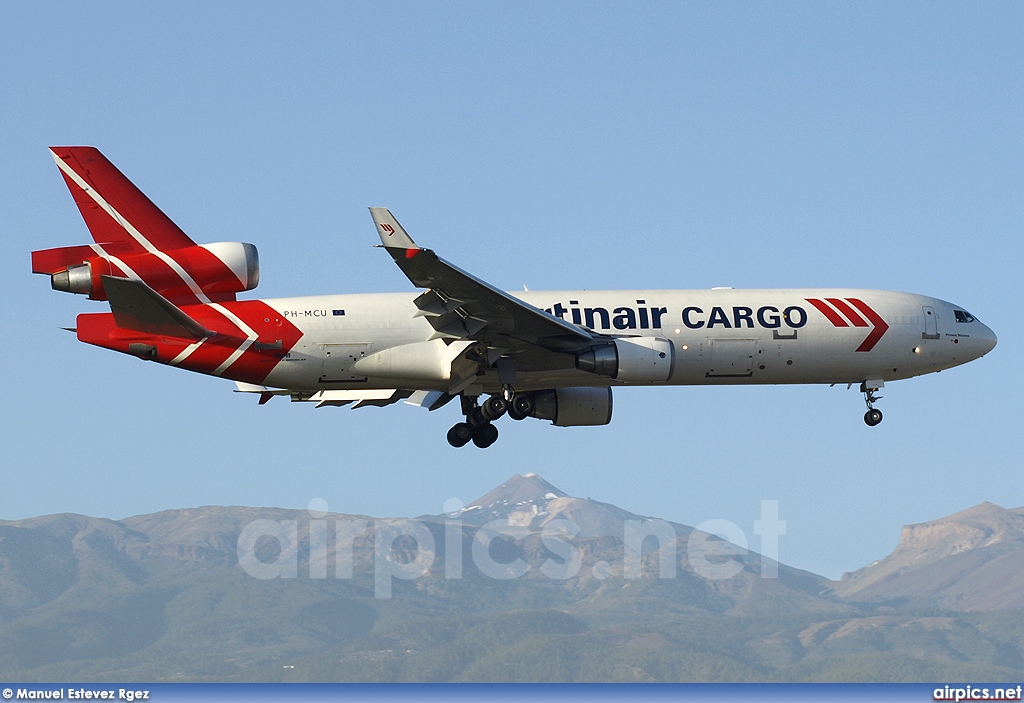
(378,397)
(477,305)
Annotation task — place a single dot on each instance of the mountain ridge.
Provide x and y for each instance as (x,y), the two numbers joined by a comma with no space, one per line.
(163,596)
(528,500)
(970,560)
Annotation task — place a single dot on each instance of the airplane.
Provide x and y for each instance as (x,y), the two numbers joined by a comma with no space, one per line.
(553,355)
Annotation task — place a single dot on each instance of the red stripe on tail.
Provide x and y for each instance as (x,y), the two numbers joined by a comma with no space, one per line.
(121,194)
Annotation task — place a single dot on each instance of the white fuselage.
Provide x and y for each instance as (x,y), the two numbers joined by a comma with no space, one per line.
(548,355)
(718,336)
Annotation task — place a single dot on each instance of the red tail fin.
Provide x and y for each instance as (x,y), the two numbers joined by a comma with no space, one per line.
(135,240)
(113,208)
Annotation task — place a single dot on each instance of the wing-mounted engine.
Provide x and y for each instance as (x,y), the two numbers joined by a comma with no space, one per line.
(630,359)
(215,272)
(574,407)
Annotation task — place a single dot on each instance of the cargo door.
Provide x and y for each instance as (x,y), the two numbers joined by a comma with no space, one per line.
(338,360)
(732,357)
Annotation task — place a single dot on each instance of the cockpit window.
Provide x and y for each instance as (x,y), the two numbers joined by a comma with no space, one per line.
(963,316)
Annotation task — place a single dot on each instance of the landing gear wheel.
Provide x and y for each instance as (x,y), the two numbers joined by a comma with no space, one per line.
(493,408)
(460,434)
(476,418)
(872,417)
(521,407)
(485,436)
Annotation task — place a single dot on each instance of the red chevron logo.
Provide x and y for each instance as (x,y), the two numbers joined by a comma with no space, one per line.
(842,313)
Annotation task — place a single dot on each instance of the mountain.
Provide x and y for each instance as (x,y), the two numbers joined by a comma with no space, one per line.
(531,501)
(526,583)
(972,561)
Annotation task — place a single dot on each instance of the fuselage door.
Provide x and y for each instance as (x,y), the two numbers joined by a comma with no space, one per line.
(338,360)
(732,357)
(931,324)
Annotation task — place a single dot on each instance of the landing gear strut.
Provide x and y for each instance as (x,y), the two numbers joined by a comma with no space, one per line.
(873,416)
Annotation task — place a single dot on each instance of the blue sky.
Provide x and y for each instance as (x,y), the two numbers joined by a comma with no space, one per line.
(557,145)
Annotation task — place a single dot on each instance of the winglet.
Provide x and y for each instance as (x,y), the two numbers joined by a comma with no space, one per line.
(392,235)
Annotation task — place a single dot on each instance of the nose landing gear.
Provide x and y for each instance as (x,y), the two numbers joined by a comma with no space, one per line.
(873,416)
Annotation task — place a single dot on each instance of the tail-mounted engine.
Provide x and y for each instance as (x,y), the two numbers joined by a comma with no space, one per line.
(630,359)
(134,239)
(214,271)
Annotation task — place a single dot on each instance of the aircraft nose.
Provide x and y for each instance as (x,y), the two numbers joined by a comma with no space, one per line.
(988,339)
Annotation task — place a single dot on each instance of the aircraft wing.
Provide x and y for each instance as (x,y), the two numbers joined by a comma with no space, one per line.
(459,305)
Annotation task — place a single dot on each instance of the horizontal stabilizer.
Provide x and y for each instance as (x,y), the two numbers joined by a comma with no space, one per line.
(136,306)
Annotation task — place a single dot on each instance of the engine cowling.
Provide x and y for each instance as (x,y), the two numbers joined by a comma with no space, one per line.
(73,279)
(243,259)
(574,407)
(220,270)
(630,359)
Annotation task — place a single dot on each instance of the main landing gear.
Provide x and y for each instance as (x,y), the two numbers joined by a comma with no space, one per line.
(873,416)
(478,427)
